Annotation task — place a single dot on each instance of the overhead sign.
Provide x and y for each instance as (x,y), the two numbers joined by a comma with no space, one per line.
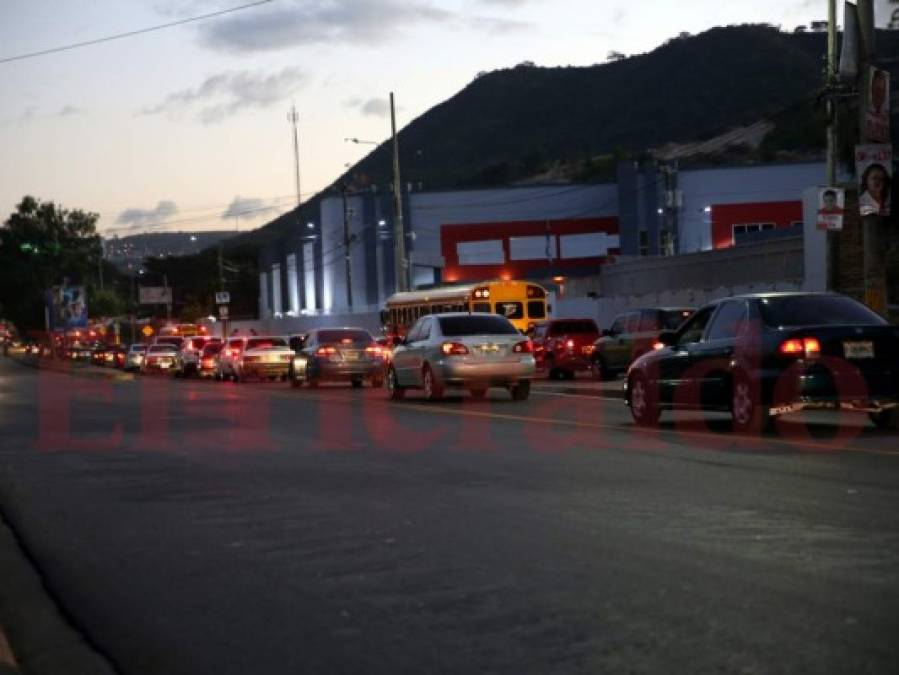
(831,207)
(877,111)
(874,168)
(222,298)
(155,295)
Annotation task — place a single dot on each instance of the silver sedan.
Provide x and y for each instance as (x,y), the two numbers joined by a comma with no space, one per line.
(468,351)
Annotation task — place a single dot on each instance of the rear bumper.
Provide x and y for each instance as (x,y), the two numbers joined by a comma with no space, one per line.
(819,388)
(350,371)
(274,369)
(455,372)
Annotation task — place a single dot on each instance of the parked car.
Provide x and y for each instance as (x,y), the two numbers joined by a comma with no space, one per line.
(469,351)
(338,355)
(564,346)
(188,362)
(209,359)
(630,336)
(159,358)
(259,358)
(134,359)
(759,356)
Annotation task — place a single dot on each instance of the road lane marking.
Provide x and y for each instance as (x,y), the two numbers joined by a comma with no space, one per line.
(656,432)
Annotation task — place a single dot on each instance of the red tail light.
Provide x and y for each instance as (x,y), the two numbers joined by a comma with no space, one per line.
(454,349)
(569,344)
(527,347)
(326,351)
(807,347)
(374,350)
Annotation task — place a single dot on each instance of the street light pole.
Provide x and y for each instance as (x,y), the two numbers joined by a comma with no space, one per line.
(399,236)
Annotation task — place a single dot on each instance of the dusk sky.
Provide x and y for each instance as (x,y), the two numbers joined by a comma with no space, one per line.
(166,130)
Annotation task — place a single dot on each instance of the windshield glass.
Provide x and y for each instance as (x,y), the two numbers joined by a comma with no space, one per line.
(817,310)
(346,336)
(265,343)
(672,319)
(475,324)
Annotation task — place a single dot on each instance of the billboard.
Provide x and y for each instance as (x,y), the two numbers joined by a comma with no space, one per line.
(155,295)
(831,205)
(874,168)
(67,307)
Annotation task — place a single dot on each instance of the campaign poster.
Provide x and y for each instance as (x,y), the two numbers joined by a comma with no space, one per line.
(877,112)
(68,307)
(874,168)
(831,208)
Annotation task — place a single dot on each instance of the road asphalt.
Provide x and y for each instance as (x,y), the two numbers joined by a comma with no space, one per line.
(190,527)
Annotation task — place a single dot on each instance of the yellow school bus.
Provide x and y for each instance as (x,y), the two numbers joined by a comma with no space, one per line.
(524,303)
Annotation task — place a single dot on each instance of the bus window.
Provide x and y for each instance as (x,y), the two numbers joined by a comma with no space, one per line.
(481,307)
(510,310)
(536,309)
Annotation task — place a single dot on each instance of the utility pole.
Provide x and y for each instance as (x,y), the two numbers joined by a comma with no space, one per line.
(346,249)
(399,231)
(221,261)
(831,77)
(294,118)
(168,305)
(100,264)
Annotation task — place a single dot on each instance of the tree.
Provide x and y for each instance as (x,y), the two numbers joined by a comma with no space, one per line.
(41,245)
(615,56)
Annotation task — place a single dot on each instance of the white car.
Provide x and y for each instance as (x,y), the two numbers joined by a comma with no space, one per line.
(159,358)
(255,357)
(468,351)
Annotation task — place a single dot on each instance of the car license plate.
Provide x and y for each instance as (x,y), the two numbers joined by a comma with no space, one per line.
(164,364)
(858,350)
(351,356)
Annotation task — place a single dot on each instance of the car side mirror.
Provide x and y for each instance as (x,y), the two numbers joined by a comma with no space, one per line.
(668,338)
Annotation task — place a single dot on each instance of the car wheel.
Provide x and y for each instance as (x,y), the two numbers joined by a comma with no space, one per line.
(644,403)
(312,383)
(521,391)
(394,390)
(478,392)
(295,383)
(886,419)
(433,390)
(377,382)
(598,369)
(356,382)
(567,374)
(747,412)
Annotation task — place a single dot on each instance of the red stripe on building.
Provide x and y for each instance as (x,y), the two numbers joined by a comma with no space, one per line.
(726,216)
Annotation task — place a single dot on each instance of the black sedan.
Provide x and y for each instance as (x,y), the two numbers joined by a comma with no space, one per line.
(338,355)
(763,355)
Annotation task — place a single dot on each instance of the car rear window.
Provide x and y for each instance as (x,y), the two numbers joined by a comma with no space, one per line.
(138,349)
(817,310)
(157,349)
(672,319)
(475,324)
(573,327)
(265,343)
(213,348)
(327,336)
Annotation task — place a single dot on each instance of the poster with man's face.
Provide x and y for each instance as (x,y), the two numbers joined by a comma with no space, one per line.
(877,113)
(874,168)
(831,204)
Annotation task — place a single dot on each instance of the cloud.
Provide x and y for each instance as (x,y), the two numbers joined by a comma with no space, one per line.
(69,110)
(247,207)
(318,21)
(373,107)
(497,26)
(221,96)
(506,3)
(137,218)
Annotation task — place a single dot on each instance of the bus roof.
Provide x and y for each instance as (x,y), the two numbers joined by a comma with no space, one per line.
(439,294)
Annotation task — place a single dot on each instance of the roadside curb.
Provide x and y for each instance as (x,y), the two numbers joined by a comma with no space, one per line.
(46,642)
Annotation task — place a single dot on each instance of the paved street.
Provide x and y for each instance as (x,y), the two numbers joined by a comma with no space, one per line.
(193,527)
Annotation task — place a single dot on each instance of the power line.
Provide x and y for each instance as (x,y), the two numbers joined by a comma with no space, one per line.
(109,38)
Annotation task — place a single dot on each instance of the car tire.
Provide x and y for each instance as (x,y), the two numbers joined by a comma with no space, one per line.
(887,420)
(748,415)
(312,383)
(598,369)
(394,391)
(377,382)
(433,390)
(356,382)
(478,392)
(295,383)
(521,391)
(644,403)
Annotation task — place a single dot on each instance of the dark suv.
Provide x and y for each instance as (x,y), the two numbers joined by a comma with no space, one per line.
(631,335)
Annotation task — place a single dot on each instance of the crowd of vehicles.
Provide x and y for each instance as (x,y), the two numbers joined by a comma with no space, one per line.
(756,356)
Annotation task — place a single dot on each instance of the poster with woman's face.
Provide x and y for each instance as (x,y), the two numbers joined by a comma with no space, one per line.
(874,168)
